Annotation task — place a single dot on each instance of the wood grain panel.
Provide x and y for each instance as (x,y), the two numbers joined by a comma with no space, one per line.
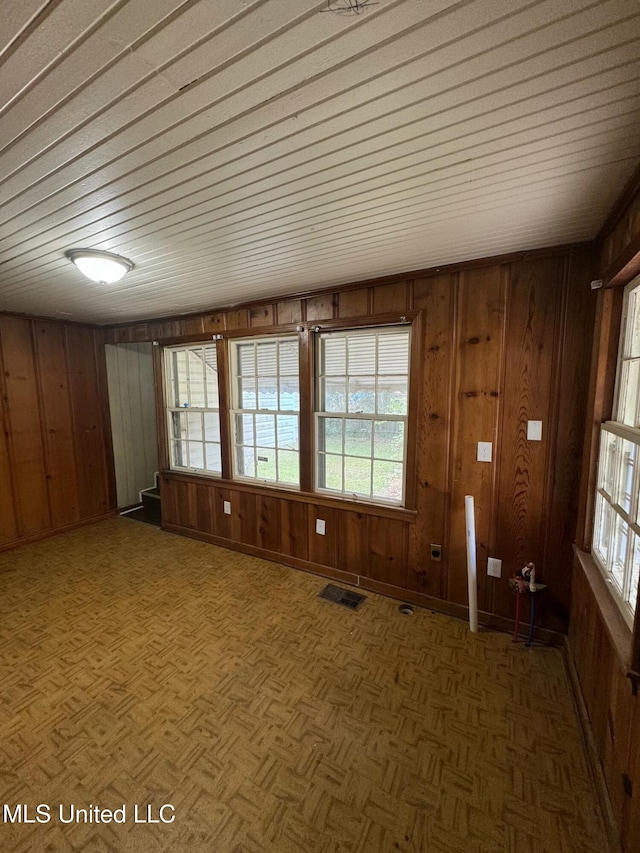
(631,809)
(23,419)
(269,533)
(353,542)
(205,517)
(57,423)
(387,552)
(91,477)
(8,523)
(238,319)
(289,311)
(222,520)
(261,315)
(534,305)
(214,323)
(293,529)
(617,742)
(321,307)
(436,296)
(480,318)
(322,549)
(194,325)
(354,303)
(388,298)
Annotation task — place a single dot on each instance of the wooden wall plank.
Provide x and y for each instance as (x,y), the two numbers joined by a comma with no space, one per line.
(387,552)
(533,319)
(261,315)
(57,423)
(322,307)
(293,530)
(353,542)
(268,534)
(354,303)
(8,521)
(480,318)
(388,298)
(91,473)
(322,548)
(26,450)
(436,297)
(289,311)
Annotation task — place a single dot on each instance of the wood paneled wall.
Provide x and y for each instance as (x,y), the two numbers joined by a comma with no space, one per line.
(55,468)
(504,342)
(601,648)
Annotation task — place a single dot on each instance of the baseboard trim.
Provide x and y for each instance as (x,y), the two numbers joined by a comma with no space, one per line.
(591,750)
(448,608)
(56,531)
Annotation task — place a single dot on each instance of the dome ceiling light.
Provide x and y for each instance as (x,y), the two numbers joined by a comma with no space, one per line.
(102,267)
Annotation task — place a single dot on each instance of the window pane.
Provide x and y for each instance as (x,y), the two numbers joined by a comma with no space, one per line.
(287,432)
(608,456)
(361,357)
(629,384)
(387,480)
(619,550)
(388,440)
(180,384)
(268,393)
(334,356)
(265,430)
(246,360)
(632,348)
(179,454)
(245,461)
(634,575)
(211,377)
(357,476)
(214,457)
(247,392)
(267,358)
(392,395)
(178,424)
(289,395)
(265,463)
(196,379)
(330,438)
(330,473)
(196,454)
(393,353)
(602,526)
(194,426)
(626,464)
(289,359)
(333,397)
(357,438)
(288,467)
(212,426)
(362,394)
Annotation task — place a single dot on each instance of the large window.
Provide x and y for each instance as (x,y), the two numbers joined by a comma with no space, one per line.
(362,403)
(193,408)
(266,409)
(616,537)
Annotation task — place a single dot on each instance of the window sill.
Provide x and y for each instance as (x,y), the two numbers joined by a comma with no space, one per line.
(614,622)
(316,498)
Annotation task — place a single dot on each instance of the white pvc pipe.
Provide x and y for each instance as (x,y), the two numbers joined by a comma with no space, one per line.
(470,517)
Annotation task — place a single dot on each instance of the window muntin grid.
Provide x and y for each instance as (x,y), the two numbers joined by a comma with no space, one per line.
(362,391)
(265,413)
(193,409)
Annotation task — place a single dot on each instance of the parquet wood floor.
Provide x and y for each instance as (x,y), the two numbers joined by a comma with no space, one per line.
(139,667)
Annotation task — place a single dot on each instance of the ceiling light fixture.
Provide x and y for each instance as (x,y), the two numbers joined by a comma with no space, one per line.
(103,267)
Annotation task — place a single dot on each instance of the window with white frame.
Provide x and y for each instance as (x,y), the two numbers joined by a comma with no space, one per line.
(265,409)
(191,375)
(616,535)
(362,404)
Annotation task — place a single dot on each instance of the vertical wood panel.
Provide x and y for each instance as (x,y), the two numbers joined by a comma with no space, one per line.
(322,549)
(8,521)
(481,311)
(354,303)
(293,531)
(205,517)
(213,323)
(237,319)
(436,296)
(261,315)
(91,476)
(57,423)
(25,427)
(534,307)
(289,312)
(387,549)
(353,542)
(388,298)
(321,307)
(268,522)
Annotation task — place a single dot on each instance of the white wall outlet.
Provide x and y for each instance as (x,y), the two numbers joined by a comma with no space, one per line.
(534,430)
(320,526)
(494,567)
(226,507)
(484,451)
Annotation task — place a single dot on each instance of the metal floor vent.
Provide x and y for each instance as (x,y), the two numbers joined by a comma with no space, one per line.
(352,600)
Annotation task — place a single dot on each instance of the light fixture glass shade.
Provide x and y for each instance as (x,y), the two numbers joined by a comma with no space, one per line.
(103,267)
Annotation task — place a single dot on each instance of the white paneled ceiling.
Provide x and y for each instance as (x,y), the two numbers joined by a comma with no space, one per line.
(237,149)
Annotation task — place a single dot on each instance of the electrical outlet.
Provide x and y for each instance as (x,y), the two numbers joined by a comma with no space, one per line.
(494,567)
(226,507)
(436,553)
(320,526)
(484,451)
